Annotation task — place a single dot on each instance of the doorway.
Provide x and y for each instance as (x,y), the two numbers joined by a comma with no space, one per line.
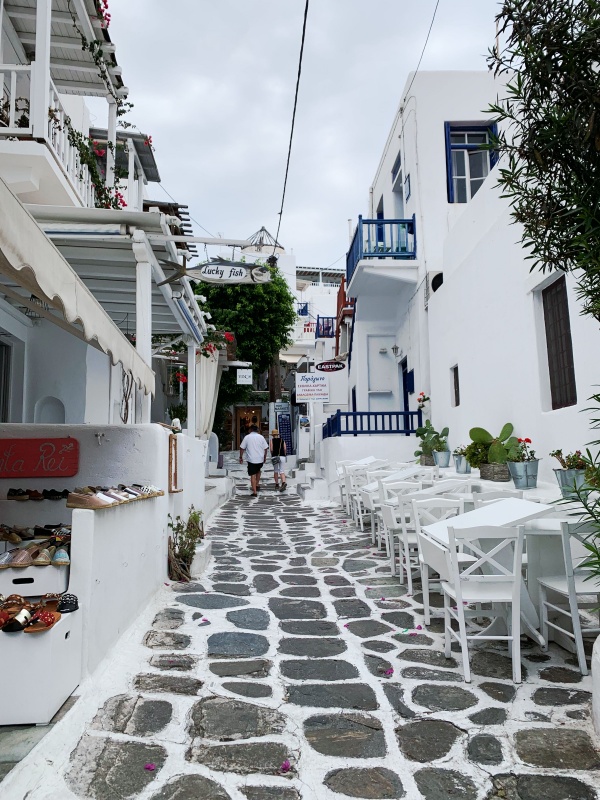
(244,418)
(403,376)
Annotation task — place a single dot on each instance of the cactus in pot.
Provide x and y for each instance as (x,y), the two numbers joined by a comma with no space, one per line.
(431,440)
(498,451)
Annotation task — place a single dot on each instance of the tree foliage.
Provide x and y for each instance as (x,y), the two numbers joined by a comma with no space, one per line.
(260,315)
(550,138)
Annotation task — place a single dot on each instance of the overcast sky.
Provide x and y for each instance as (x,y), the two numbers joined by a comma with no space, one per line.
(213,83)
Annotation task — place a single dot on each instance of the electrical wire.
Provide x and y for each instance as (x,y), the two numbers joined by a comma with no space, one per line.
(193,220)
(423,50)
(287,166)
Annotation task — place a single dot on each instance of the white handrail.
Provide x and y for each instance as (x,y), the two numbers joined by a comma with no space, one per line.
(10,93)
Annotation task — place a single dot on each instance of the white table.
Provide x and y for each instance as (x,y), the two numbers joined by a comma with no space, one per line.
(504,513)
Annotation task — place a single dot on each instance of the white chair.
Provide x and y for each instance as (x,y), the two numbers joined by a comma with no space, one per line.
(339,471)
(571,585)
(394,523)
(481,498)
(369,497)
(494,577)
(365,464)
(427,512)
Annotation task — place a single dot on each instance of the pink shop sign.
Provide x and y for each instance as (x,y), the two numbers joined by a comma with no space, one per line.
(39,458)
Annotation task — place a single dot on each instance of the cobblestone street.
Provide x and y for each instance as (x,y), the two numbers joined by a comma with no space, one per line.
(300,669)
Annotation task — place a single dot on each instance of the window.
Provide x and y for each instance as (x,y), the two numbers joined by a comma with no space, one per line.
(396,167)
(455,385)
(558,342)
(406,188)
(467,164)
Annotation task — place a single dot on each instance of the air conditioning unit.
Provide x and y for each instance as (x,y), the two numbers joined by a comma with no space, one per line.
(433,281)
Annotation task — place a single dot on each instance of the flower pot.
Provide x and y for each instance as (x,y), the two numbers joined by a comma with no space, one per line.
(524,473)
(568,479)
(441,458)
(427,461)
(461,465)
(494,472)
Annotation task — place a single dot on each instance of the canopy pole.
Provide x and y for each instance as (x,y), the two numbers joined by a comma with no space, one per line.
(143,316)
(191,387)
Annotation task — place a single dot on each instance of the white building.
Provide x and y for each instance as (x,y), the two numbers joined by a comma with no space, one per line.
(445,301)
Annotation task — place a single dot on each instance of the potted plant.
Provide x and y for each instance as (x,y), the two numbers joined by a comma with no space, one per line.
(490,453)
(523,465)
(429,439)
(461,465)
(422,399)
(571,475)
(441,453)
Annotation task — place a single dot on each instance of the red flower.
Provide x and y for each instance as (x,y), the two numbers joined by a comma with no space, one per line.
(520,440)
(229,337)
(527,441)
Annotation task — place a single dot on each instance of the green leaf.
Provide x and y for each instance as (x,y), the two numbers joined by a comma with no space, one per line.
(506,431)
(497,453)
(481,435)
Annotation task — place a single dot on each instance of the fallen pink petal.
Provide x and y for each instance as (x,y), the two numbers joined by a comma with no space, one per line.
(150,767)
(389,671)
(419,628)
(286,766)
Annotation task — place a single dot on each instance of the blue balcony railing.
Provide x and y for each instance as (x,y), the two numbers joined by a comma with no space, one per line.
(325,328)
(369,423)
(381,238)
(302,309)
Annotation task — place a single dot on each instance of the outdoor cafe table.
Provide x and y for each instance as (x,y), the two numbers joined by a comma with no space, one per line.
(505,513)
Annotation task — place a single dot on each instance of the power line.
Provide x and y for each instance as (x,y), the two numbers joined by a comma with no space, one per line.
(287,166)
(424,47)
(193,220)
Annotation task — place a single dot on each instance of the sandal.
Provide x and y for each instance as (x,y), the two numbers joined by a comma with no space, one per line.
(67,604)
(19,614)
(42,621)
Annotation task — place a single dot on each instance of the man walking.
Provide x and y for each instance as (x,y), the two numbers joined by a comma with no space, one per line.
(256,448)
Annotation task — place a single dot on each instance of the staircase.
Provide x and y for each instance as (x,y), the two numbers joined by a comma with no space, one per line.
(309,484)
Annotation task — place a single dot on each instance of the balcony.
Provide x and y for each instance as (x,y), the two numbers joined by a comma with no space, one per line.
(370,423)
(382,243)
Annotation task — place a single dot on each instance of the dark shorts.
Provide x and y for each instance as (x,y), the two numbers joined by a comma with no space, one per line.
(253,469)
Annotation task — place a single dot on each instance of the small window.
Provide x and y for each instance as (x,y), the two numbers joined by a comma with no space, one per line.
(561,368)
(455,385)
(406,188)
(396,167)
(467,163)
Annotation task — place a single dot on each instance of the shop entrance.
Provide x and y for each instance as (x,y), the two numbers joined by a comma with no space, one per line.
(244,418)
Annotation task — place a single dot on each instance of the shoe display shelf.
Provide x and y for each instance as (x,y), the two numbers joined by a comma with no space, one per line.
(50,661)
(32,581)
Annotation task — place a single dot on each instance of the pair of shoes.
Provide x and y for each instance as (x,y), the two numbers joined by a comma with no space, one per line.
(17,494)
(53,494)
(9,535)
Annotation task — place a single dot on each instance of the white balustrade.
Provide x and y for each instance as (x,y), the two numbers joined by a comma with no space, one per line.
(15,99)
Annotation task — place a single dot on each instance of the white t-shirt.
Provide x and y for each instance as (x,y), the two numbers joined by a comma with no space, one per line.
(254,445)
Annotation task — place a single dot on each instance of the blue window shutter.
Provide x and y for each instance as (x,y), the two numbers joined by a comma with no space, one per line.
(410,381)
(449,183)
(493,153)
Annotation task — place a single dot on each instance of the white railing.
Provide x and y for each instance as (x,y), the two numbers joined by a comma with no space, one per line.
(66,152)
(15,99)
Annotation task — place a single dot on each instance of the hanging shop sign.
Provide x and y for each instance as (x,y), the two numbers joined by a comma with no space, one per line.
(39,458)
(282,408)
(312,388)
(220,270)
(330,366)
(244,377)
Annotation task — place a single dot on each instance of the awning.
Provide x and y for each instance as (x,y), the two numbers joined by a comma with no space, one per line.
(30,265)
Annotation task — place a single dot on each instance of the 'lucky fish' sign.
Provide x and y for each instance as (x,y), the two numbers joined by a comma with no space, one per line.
(220,270)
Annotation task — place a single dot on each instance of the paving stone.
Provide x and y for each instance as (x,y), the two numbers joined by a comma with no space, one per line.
(265,567)
(351,608)
(270,793)
(237,645)
(188,587)
(550,696)
(427,740)
(246,689)
(229,577)
(167,683)
(578,713)
(301,591)
(312,648)
(259,668)
(560,675)
(238,589)
(537,658)
(539,787)
(168,619)
(379,646)
(5,768)
(356,565)
(191,787)
(378,783)
(443,698)
(324,562)
(420,673)
(367,628)
(346,735)
(357,696)
(297,609)
(265,583)
(336,580)
(400,619)
(297,580)
(442,784)
(535,716)
(104,769)
(343,592)
(305,628)
(416,639)
(395,695)
(556,748)
(225,720)
(253,619)
(173,661)
(493,665)
(385,591)
(304,669)
(499,691)
(379,666)
(211,601)
(485,749)
(164,640)
(250,758)
(431,657)
(489,716)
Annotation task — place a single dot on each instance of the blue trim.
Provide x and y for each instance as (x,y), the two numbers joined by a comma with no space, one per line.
(325,328)
(352,336)
(368,423)
(449,181)
(381,239)
(449,128)
(193,327)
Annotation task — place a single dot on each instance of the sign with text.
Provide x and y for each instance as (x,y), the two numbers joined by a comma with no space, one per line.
(312,388)
(220,270)
(282,408)
(330,366)
(39,458)
(284,425)
(244,376)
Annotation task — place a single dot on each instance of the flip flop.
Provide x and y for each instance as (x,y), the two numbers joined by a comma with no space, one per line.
(42,620)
